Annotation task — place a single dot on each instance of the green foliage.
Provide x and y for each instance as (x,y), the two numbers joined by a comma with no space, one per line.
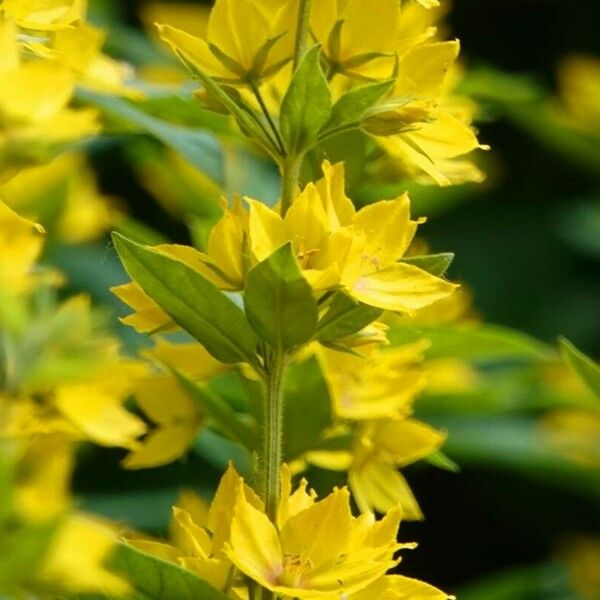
(279,301)
(583,366)
(192,301)
(344,317)
(307,408)
(218,411)
(155,579)
(350,109)
(200,148)
(306,106)
(23,550)
(473,341)
(436,264)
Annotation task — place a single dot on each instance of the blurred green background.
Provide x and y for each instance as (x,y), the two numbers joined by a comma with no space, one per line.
(527,244)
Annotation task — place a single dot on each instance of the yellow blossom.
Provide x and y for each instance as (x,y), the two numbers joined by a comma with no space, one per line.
(76,558)
(376,385)
(21,242)
(246,41)
(579,79)
(82,214)
(335,245)
(383,447)
(358,39)
(44,15)
(315,550)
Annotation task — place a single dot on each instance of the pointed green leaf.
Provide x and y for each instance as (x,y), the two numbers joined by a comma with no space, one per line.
(154,579)
(435,264)
(352,106)
(307,408)
(583,366)
(345,317)
(198,147)
(217,409)
(191,300)
(306,106)
(279,301)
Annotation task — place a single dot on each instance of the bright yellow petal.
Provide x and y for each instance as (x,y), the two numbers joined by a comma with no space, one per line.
(77,555)
(36,91)
(401,288)
(222,508)
(387,228)
(405,588)
(332,192)
(191,359)
(162,446)
(98,415)
(148,316)
(192,50)
(254,544)
(321,531)
(406,441)
(378,486)
(423,69)
(267,230)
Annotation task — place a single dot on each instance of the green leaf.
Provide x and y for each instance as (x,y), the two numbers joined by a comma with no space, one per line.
(350,109)
(345,317)
(200,148)
(307,408)
(436,264)
(472,341)
(217,409)
(154,579)
(441,461)
(248,121)
(22,553)
(279,301)
(306,106)
(192,301)
(583,366)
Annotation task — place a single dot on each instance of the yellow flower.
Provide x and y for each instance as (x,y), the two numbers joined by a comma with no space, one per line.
(418,129)
(33,105)
(44,15)
(335,245)
(358,38)
(574,434)
(94,407)
(199,533)
(21,242)
(76,558)
(377,385)
(579,79)
(317,549)
(357,250)
(177,418)
(246,41)
(383,447)
(83,213)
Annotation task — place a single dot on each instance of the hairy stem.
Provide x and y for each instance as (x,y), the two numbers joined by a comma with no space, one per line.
(273,431)
(268,117)
(302,31)
(290,176)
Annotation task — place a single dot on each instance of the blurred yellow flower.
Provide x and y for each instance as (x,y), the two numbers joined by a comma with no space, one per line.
(44,15)
(64,197)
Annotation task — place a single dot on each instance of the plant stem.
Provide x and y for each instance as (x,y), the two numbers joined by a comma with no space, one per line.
(272,431)
(302,31)
(290,176)
(267,114)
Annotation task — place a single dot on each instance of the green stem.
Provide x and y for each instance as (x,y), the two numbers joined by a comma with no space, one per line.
(302,31)
(267,114)
(290,177)
(273,432)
